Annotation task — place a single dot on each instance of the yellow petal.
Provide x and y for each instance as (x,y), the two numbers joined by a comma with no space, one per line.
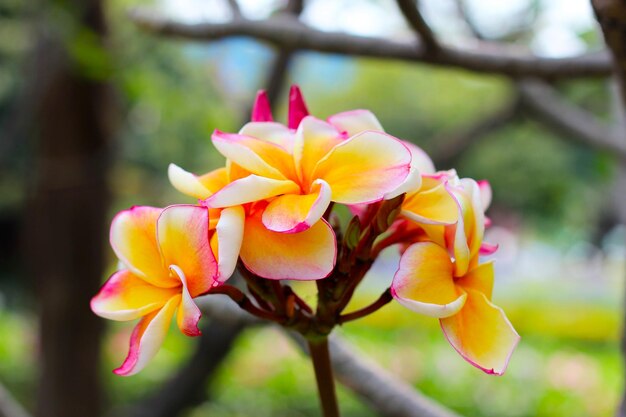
(479,278)
(482,334)
(148,337)
(275,133)
(257,156)
(314,139)
(307,255)
(431,206)
(127,297)
(293,213)
(183,236)
(133,238)
(188,314)
(364,168)
(250,189)
(199,187)
(424,281)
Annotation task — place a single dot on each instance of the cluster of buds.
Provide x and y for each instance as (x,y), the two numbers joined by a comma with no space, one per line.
(268,213)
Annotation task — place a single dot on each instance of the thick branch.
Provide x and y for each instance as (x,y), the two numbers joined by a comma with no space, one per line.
(611,14)
(415,19)
(576,123)
(374,385)
(288,33)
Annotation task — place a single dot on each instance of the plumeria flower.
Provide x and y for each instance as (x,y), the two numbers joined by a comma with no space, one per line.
(306,255)
(287,176)
(427,282)
(170,256)
(322,165)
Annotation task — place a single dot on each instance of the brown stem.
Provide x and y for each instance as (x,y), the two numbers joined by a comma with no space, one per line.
(383,300)
(324,376)
(244,302)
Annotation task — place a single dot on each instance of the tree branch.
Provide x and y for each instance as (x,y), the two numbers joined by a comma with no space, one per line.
(288,33)
(576,123)
(415,19)
(374,385)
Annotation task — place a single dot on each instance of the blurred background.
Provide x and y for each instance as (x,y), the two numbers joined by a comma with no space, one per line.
(92,110)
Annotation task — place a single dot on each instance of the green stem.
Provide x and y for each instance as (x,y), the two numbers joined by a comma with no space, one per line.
(324,376)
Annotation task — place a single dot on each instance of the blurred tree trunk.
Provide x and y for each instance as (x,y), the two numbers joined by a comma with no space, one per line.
(66,215)
(611,14)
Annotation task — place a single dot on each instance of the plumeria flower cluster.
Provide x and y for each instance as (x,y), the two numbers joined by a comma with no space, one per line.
(268,213)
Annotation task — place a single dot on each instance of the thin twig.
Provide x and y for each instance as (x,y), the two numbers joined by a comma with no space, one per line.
(384,299)
(415,19)
(245,303)
(289,33)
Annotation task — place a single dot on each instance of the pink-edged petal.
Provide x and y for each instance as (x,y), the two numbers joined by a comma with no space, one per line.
(133,238)
(148,337)
(127,297)
(197,186)
(412,183)
(297,107)
(420,159)
(485,193)
(261,110)
(183,236)
(313,140)
(355,121)
(308,255)
(249,189)
(292,213)
(434,205)
(482,334)
(488,249)
(365,167)
(479,278)
(188,314)
(229,232)
(424,282)
(272,132)
(255,155)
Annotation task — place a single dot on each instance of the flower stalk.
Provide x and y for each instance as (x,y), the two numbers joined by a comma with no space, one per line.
(320,356)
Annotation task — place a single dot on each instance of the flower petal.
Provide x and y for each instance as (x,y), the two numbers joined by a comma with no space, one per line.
(355,121)
(229,232)
(313,140)
(133,238)
(127,297)
(424,282)
(183,236)
(420,159)
(275,133)
(261,110)
(412,183)
(297,107)
(249,189)
(482,334)
(147,338)
(485,193)
(255,155)
(292,213)
(479,278)
(199,187)
(188,314)
(365,167)
(307,255)
(431,206)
